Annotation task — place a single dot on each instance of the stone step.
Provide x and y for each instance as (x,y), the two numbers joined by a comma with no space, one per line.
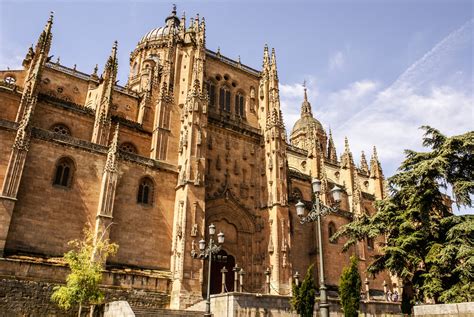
(149,312)
(199,306)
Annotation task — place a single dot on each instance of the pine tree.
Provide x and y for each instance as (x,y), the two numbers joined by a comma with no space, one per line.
(426,246)
(85,262)
(304,295)
(349,289)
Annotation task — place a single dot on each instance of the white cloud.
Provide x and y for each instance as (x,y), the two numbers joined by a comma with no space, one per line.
(432,91)
(337,61)
(11,56)
(291,97)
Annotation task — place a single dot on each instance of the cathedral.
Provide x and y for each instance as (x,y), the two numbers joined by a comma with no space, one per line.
(194,138)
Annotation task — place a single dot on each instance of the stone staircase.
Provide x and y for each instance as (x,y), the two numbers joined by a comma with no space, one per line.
(198,307)
(123,309)
(156,312)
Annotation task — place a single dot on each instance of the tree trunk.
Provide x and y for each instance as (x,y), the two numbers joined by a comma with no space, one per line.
(80,310)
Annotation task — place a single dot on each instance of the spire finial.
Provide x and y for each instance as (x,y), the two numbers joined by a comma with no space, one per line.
(174,8)
(363,163)
(266,57)
(273,61)
(374,154)
(305,93)
(346,145)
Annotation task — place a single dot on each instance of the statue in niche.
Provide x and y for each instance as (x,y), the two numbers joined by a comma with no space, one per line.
(194,232)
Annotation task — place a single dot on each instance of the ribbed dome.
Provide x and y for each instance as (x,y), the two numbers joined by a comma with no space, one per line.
(307,122)
(159,33)
(171,27)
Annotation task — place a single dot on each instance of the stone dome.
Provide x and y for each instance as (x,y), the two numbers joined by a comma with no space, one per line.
(171,27)
(307,121)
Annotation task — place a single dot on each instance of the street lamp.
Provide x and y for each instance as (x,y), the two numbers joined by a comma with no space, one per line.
(207,253)
(318,209)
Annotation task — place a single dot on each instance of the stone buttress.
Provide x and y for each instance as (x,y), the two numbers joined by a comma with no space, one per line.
(35,64)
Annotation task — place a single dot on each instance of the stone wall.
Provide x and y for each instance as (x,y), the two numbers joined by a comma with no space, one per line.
(252,305)
(445,310)
(20,297)
(26,287)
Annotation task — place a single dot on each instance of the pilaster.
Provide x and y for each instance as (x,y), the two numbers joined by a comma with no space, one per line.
(18,154)
(189,211)
(108,187)
(276,178)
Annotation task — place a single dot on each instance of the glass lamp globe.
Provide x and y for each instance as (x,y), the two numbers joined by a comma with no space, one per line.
(220,237)
(202,244)
(316,184)
(336,193)
(212,229)
(300,209)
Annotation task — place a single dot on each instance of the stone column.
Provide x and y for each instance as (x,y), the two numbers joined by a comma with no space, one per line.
(223,271)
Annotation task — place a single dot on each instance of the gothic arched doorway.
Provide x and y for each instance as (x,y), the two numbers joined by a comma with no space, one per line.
(216,276)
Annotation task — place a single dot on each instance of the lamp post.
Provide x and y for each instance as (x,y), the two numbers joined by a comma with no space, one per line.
(318,209)
(206,252)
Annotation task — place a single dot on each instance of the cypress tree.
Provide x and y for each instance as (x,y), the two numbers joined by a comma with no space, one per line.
(304,295)
(349,289)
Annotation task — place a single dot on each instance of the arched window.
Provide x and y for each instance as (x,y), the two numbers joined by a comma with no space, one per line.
(64,172)
(240,105)
(370,243)
(331,231)
(60,128)
(135,69)
(211,92)
(224,99)
(145,191)
(128,147)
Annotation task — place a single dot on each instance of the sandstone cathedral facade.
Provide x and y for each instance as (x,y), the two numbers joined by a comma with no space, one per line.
(193,138)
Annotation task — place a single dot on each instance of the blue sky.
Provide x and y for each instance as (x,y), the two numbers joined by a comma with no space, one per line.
(376,70)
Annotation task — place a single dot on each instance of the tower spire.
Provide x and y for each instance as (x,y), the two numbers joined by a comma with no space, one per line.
(346,157)
(266,57)
(332,155)
(363,164)
(100,134)
(44,41)
(306,106)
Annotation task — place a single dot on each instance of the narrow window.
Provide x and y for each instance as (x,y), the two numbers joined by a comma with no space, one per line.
(221,99)
(211,92)
(212,95)
(331,231)
(64,172)
(145,191)
(224,99)
(227,101)
(370,243)
(239,105)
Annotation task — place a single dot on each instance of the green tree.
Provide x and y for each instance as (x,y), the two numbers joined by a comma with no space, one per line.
(304,295)
(85,261)
(426,246)
(349,289)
